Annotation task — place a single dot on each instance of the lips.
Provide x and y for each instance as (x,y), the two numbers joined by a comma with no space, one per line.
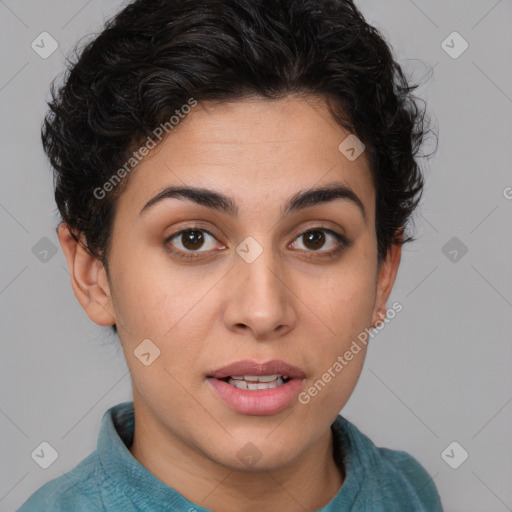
(254,388)
(248,367)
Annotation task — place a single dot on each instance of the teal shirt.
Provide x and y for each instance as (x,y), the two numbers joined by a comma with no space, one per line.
(111,479)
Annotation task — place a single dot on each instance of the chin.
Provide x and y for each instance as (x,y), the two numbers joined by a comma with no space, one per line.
(257,453)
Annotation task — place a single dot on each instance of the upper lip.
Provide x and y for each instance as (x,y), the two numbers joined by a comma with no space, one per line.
(248,367)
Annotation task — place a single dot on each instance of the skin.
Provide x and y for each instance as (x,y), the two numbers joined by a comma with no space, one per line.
(204,314)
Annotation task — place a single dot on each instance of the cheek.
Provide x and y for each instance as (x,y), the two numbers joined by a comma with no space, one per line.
(338,358)
(346,299)
(171,308)
(344,302)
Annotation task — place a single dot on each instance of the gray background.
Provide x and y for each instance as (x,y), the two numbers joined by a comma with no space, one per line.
(439,372)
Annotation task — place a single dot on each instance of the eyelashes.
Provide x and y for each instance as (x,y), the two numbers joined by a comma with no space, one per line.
(194,239)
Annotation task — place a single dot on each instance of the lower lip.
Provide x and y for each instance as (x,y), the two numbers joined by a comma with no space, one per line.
(258,402)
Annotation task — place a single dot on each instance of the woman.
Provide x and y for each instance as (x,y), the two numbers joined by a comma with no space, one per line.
(235,180)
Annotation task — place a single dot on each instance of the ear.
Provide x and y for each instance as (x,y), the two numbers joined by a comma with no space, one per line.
(386,276)
(88,278)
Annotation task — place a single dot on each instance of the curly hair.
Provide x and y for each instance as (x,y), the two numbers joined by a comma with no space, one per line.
(154,55)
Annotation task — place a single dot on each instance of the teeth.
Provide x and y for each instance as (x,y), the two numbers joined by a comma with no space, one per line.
(261,378)
(254,386)
(251,378)
(258,378)
(240,384)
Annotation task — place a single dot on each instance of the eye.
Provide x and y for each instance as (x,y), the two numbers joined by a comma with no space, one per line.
(316,238)
(191,240)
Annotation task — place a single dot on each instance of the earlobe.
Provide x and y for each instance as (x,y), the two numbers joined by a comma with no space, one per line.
(385,281)
(88,278)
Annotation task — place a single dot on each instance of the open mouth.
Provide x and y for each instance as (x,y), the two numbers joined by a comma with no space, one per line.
(256,382)
(257,388)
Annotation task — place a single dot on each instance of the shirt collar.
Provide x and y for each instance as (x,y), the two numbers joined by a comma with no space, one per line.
(127,474)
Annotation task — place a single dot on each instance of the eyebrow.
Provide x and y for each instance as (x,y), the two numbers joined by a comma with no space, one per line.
(220,202)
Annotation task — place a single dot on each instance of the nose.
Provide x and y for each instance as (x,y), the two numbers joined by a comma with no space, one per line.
(259,298)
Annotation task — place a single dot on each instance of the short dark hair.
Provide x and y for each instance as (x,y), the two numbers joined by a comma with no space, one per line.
(155,55)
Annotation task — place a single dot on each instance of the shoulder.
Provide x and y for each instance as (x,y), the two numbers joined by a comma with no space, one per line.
(77,490)
(386,475)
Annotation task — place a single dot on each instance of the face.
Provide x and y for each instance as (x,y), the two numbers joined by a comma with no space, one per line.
(256,283)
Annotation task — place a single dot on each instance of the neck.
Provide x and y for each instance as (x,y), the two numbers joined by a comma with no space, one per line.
(307,484)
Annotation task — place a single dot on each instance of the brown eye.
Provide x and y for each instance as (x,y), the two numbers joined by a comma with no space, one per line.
(194,242)
(313,240)
(191,240)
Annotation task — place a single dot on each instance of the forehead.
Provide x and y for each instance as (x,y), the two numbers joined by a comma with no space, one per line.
(257,151)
